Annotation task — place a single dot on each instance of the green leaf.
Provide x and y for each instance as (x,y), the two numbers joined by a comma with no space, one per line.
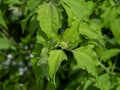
(23,24)
(25,21)
(2,21)
(87,84)
(103,82)
(40,65)
(115,28)
(50,86)
(13,2)
(108,54)
(49,19)
(86,59)
(91,31)
(108,11)
(71,34)
(118,82)
(33,24)
(79,7)
(118,87)
(31,6)
(70,14)
(54,60)
(5,43)
(88,32)
(40,39)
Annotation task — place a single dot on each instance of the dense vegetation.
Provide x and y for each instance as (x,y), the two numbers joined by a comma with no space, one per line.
(59,45)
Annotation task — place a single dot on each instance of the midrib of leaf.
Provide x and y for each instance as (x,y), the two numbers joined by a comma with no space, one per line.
(49,19)
(51,15)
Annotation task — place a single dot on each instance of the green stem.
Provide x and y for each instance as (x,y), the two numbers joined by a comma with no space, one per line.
(8,36)
(106,69)
(114,65)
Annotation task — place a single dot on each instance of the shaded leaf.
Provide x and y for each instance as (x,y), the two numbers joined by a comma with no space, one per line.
(5,43)
(2,21)
(31,6)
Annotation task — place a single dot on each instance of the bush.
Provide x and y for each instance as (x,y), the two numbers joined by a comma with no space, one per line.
(59,44)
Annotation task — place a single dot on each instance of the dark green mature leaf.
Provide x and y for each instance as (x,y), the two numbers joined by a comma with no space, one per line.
(86,59)
(24,22)
(40,65)
(54,60)
(49,19)
(87,84)
(29,12)
(5,42)
(31,6)
(2,21)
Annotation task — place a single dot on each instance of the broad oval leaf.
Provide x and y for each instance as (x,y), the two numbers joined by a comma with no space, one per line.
(49,19)
(86,59)
(79,7)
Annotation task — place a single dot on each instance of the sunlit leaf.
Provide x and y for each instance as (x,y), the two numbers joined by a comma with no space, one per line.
(71,34)
(103,82)
(49,19)
(54,60)
(115,28)
(86,59)
(108,54)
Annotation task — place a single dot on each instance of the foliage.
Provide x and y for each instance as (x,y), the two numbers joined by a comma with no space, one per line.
(59,44)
